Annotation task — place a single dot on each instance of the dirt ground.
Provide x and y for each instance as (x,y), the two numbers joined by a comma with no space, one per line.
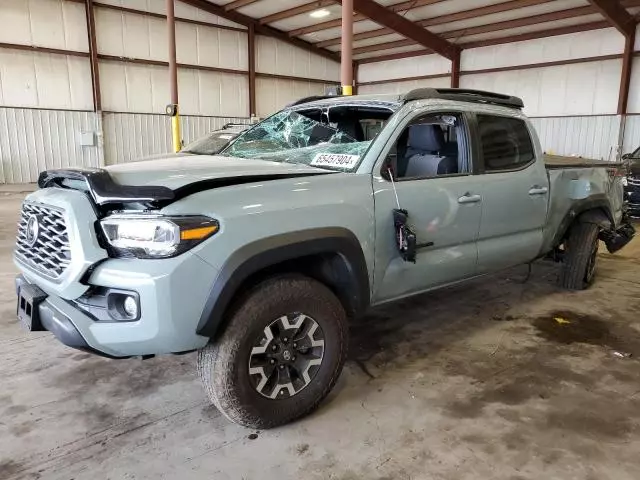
(495,379)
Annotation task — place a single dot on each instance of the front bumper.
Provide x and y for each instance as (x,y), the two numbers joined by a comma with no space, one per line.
(172,295)
(61,325)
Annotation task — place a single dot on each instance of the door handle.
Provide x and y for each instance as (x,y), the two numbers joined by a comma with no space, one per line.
(469,198)
(537,190)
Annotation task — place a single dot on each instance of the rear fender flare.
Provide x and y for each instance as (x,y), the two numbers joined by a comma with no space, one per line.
(256,256)
(596,216)
(595,209)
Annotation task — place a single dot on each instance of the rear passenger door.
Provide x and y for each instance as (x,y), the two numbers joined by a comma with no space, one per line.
(515,193)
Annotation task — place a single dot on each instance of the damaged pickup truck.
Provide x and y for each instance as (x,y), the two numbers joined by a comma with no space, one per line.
(258,256)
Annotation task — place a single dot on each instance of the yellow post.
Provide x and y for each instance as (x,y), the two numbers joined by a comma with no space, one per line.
(347,89)
(175,131)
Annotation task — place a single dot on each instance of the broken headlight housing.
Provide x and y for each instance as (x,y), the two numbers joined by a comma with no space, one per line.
(153,236)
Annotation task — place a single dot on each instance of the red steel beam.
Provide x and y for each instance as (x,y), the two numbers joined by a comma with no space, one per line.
(451,17)
(252,71)
(398,7)
(625,78)
(455,71)
(616,15)
(407,28)
(238,4)
(245,20)
(540,34)
(144,13)
(497,41)
(482,11)
(492,27)
(346,52)
(317,27)
(173,68)
(93,55)
(510,68)
(292,12)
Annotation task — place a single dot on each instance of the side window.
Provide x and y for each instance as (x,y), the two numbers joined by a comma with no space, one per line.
(430,146)
(506,143)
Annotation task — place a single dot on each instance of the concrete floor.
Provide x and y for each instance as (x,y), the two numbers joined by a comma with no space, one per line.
(475,382)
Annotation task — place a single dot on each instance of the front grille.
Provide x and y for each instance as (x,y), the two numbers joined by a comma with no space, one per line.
(49,253)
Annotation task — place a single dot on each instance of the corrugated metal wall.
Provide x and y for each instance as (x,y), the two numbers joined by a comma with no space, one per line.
(283,92)
(35,140)
(403,87)
(133,136)
(631,134)
(588,137)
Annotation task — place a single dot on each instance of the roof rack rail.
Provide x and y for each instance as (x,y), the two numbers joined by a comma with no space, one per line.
(464,95)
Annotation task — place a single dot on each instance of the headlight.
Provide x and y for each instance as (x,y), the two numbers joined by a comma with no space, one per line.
(146,236)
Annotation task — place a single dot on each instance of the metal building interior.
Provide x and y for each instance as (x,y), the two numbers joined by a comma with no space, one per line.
(470,383)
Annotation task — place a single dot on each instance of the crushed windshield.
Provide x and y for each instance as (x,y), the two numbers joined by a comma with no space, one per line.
(308,138)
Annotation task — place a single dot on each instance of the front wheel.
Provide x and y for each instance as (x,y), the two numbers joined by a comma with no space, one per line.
(581,256)
(279,356)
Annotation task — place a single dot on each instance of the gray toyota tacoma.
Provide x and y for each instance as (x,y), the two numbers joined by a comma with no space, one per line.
(258,256)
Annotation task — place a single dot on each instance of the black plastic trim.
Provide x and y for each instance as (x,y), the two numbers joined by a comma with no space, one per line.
(579,207)
(270,251)
(61,326)
(103,189)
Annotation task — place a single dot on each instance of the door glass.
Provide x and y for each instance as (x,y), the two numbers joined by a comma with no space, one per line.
(430,146)
(506,144)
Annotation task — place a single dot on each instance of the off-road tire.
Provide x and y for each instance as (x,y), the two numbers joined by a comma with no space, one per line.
(580,258)
(223,363)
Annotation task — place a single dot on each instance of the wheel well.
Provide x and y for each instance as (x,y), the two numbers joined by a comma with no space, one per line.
(331,269)
(598,215)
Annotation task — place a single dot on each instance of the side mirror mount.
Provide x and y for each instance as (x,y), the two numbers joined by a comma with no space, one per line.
(405,236)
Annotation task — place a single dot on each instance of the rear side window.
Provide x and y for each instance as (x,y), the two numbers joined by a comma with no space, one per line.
(506,143)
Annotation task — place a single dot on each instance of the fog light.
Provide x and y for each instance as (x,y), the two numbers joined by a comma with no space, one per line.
(130,307)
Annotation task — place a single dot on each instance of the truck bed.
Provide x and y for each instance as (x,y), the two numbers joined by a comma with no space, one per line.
(559,161)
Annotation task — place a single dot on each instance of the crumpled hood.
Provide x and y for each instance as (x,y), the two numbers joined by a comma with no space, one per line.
(177,170)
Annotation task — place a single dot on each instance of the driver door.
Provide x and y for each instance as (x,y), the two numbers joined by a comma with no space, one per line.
(444,205)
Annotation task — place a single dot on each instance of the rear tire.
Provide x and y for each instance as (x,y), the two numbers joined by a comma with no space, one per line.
(253,374)
(581,255)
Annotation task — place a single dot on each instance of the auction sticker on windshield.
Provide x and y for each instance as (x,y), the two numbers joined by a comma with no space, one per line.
(340,160)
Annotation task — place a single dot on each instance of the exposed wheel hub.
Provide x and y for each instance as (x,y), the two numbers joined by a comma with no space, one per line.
(286,357)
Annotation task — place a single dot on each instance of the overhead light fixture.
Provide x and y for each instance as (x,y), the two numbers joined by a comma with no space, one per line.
(323,12)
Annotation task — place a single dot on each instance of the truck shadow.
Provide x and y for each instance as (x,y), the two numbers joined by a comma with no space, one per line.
(417,327)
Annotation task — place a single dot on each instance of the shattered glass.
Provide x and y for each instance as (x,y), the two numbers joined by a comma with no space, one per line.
(291,137)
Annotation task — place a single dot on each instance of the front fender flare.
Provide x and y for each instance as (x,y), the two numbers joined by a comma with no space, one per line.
(261,254)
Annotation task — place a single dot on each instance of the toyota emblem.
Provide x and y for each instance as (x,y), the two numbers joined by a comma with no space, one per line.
(33,229)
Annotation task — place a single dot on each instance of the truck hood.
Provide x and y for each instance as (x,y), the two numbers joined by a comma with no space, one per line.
(178,170)
(166,180)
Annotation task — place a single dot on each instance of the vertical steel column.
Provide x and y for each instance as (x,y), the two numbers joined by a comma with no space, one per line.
(346,57)
(455,71)
(356,69)
(173,78)
(625,79)
(252,71)
(95,77)
(93,55)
